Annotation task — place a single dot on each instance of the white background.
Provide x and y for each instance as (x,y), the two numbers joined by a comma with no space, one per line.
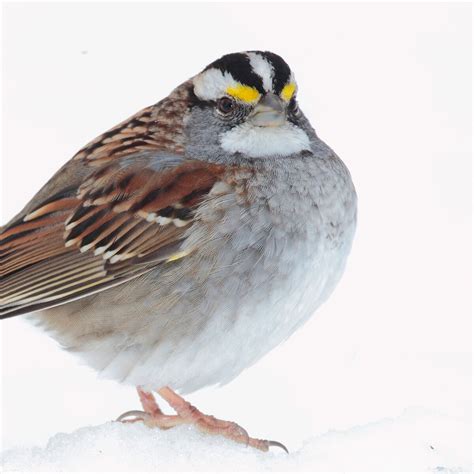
(388,86)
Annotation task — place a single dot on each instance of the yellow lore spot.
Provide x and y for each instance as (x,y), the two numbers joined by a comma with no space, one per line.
(243,93)
(288,91)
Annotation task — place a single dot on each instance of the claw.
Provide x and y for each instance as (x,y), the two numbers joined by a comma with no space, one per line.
(278,445)
(141,415)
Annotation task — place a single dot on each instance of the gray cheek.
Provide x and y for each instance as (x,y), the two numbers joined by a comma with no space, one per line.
(203,130)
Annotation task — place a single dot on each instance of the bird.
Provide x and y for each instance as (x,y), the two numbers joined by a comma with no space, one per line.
(179,247)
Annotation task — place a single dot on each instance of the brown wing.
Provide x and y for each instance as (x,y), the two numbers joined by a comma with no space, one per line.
(127,217)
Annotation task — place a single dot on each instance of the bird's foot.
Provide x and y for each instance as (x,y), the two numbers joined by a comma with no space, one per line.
(211,425)
(153,417)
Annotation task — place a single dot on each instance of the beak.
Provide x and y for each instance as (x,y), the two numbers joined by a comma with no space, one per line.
(269,112)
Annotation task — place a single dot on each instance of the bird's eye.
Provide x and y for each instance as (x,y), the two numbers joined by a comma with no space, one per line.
(225,105)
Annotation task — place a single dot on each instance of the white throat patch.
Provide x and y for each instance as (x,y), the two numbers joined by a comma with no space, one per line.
(258,142)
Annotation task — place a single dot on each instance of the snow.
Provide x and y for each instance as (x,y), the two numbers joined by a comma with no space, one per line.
(417,440)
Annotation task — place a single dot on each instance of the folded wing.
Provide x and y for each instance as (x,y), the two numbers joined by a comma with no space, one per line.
(128,216)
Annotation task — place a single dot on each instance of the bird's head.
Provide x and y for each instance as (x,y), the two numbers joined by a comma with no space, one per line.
(246,104)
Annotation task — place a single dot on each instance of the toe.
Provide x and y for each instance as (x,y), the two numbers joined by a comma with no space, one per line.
(265,445)
(228,429)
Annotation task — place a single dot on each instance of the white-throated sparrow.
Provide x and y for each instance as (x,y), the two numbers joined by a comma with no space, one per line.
(179,247)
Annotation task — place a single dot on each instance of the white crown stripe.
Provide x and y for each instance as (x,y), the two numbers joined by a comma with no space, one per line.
(263,68)
(212,84)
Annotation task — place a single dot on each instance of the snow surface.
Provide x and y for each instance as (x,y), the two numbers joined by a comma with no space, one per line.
(417,440)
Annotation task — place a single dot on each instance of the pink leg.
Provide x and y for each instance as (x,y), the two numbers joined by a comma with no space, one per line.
(148,402)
